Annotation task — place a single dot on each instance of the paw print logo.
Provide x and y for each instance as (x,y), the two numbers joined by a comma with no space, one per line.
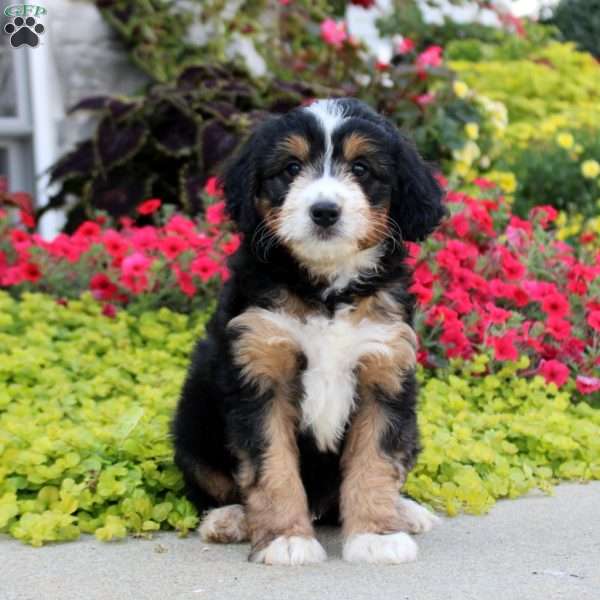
(24,31)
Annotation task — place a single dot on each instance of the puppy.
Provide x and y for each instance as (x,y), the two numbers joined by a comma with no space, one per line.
(299,404)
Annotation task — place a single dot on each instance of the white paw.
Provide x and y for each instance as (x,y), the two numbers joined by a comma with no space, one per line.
(225,525)
(391,549)
(292,550)
(418,519)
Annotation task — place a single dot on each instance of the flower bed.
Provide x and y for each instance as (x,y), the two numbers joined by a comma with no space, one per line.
(85,403)
(487,282)
(176,262)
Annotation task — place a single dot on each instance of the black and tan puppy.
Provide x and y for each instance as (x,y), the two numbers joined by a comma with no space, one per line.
(300,403)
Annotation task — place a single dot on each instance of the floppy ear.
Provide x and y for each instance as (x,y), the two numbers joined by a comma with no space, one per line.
(241,186)
(417,198)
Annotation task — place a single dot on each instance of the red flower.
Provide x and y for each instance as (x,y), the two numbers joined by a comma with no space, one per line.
(213,187)
(554,371)
(30,272)
(89,230)
(423,294)
(135,283)
(109,310)
(231,245)
(558,328)
(545,214)
(204,267)
(594,320)
(149,206)
(513,269)
(102,287)
(497,315)
(556,305)
(215,213)
(27,219)
(504,346)
(20,239)
(363,3)
(114,243)
(405,46)
(172,247)
(587,385)
(185,281)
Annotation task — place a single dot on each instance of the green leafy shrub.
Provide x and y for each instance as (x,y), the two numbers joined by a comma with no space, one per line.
(579,21)
(85,404)
(545,169)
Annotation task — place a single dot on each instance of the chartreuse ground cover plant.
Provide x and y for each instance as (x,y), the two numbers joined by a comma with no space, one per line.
(86,400)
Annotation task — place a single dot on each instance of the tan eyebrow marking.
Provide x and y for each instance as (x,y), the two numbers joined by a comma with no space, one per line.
(297,145)
(356,145)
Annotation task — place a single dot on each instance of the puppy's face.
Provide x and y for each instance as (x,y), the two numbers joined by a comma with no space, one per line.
(331,181)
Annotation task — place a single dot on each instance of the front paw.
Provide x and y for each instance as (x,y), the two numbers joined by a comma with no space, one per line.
(294,550)
(391,549)
(416,518)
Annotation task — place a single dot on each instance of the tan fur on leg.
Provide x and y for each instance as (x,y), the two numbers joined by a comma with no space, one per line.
(371,481)
(276,504)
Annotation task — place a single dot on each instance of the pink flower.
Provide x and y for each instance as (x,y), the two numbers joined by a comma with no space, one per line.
(484,184)
(136,264)
(554,371)
(430,57)
(587,385)
(425,99)
(405,46)
(334,32)
(215,213)
(149,206)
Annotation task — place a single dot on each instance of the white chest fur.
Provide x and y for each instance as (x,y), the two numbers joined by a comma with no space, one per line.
(333,348)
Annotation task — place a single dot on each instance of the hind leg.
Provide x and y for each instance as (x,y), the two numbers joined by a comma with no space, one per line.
(225,525)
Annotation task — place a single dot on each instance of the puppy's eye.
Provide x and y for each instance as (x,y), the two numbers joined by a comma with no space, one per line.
(293,168)
(359,169)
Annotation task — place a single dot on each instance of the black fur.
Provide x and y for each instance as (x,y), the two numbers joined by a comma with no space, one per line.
(219,415)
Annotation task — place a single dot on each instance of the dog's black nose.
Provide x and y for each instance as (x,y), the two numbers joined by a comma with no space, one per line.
(325,213)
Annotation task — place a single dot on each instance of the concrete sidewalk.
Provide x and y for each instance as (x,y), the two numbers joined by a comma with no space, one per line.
(537,547)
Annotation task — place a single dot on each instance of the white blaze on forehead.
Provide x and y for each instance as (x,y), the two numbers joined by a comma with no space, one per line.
(330,114)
